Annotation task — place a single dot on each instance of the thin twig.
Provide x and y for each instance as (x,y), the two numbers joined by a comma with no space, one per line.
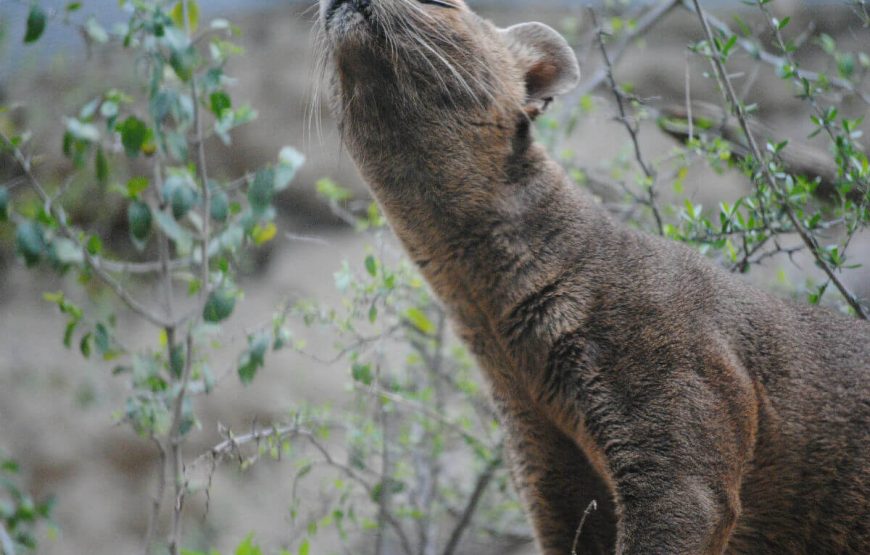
(157,500)
(631,126)
(388,517)
(755,50)
(306,239)
(480,486)
(740,113)
(233,444)
(644,24)
(141,268)
(175,447)
(202,172)
(385,492)
(176,438)
(691,120)
(422,409)
(593,506)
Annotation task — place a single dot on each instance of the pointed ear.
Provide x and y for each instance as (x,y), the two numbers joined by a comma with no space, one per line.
(547,60)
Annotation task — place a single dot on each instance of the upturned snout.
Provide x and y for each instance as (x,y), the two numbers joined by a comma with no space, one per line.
(329,8)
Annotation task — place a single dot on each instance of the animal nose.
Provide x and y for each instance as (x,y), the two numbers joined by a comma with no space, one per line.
(332,6)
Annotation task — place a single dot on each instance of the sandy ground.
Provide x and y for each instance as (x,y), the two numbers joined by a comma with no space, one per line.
(56,411)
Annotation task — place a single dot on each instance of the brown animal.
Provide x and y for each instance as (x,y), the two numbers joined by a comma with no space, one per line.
(704,415)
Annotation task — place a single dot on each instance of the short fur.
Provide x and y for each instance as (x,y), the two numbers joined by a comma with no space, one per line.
(704,415)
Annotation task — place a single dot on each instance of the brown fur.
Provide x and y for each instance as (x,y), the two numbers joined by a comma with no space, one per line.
(704,415)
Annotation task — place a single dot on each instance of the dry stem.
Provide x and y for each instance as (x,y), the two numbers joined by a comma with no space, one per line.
(631,126)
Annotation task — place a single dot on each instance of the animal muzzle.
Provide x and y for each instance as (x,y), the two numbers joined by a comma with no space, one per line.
(330,7)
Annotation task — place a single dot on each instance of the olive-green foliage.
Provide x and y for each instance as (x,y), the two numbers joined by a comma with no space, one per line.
(20,515)
(145,147)
(400,464)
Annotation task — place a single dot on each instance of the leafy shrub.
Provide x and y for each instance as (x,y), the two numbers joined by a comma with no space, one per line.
(415,460)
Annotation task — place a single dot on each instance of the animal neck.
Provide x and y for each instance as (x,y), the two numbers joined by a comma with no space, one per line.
(481,233)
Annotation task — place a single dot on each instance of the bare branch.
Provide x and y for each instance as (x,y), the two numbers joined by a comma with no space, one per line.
(631,126)
(388,517)
(646,22)
(385,492)
(176,439)
(157,500)
(141,268)
(482,483)
(422,409)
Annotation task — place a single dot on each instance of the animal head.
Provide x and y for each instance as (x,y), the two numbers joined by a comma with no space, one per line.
(436,66)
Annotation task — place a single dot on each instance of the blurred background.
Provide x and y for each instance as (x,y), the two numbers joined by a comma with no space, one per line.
(57,411)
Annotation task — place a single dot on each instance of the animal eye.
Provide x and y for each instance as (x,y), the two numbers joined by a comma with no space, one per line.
(441,3)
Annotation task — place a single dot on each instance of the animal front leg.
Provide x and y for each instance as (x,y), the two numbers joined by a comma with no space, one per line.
(557,484)
(676,459)
(668,514)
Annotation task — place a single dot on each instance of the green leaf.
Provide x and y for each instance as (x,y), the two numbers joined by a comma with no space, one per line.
(192,15)
(65,251)
(180,236)
(262,190)
(140,221)
(102,340)
(136,186)
(182,198)
(220,102)
(263,233)
(289,162)
(371,265)
(94,245)
(846,65)
(109,110)
(305,547)
(88,110)
(133,134)
(30,242)
(35,24)
(95,31)
(254,358)
(85,345)
(4,204)
(184,61)
(420,321)
(220,206)
(68,333)
(362,373)
(82,131)
(220,305)
(177,361)
(102,167)
(332,191)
